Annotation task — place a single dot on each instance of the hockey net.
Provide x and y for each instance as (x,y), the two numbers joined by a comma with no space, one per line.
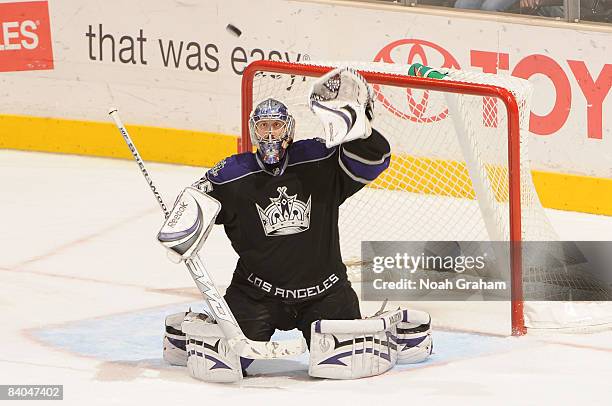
(459,169)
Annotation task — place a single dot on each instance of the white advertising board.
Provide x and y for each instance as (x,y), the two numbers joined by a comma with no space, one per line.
(174,64)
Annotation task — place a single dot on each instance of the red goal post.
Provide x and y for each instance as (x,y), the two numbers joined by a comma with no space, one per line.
(513,130)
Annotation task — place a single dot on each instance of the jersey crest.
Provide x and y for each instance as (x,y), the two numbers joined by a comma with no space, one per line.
(285,215)
(218,166)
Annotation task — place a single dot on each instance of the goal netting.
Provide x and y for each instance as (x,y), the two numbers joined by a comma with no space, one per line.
(459,169)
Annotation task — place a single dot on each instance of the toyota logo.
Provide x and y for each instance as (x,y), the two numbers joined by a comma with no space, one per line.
(410,51)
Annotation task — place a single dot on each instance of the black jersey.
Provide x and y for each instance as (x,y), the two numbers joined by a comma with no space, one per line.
(283,221)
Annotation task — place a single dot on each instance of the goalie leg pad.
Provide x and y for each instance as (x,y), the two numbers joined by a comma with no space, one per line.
(350,349)
(414,340)
(209,356)
(175,351)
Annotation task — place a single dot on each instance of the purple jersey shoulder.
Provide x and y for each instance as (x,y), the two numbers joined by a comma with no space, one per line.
(233,168)
(309,150)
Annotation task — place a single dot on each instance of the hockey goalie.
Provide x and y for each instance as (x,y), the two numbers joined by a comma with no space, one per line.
(279,206)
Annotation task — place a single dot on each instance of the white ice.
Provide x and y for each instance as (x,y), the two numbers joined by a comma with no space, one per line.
(85,286)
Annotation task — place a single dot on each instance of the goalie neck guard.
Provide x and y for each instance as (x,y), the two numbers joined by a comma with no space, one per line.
(271,146)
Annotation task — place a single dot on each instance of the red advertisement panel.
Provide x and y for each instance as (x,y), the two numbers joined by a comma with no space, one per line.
(25,37)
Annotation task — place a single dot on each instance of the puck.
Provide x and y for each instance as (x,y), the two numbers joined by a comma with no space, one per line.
(232,29)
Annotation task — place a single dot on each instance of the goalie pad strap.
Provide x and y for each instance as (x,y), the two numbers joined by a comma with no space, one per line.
(415,317)
(362,326)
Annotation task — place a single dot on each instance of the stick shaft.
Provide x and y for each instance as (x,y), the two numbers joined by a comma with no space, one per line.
(126,136)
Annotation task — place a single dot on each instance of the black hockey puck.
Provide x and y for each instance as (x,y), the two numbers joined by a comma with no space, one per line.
(232,29)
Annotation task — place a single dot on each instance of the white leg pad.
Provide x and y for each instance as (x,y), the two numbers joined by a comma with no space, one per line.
(175,350)
(209,357)
(350,349)
(414,340)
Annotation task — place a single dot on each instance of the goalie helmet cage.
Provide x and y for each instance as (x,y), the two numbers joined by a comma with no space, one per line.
(459,169)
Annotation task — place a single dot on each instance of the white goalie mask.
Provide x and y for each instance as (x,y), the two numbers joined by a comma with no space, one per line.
(271,128)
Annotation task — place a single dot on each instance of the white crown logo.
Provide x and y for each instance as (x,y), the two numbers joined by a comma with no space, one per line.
(285,215)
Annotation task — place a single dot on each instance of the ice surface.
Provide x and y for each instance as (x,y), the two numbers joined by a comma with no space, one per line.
(85,287)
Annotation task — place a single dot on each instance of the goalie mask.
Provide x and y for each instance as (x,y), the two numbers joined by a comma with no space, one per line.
(271,127)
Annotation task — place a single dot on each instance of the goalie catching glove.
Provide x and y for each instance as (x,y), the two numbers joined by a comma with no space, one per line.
(344,102)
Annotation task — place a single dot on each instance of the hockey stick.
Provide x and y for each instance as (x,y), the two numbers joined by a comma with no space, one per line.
(218,306)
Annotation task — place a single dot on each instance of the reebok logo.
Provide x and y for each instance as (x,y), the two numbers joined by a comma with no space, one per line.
(178,214)
(25,37)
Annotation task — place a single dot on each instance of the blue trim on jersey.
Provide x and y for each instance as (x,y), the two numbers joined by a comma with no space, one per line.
(362,170)
(233,168)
